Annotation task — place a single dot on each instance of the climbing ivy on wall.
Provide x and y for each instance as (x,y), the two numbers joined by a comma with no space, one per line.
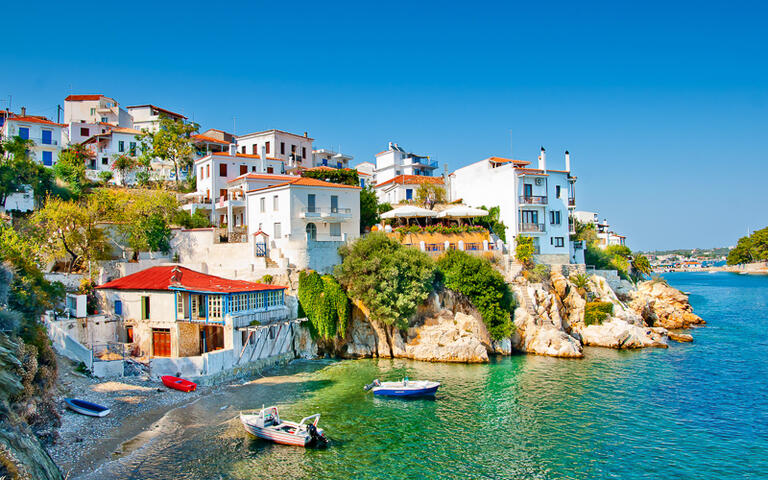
(324,303)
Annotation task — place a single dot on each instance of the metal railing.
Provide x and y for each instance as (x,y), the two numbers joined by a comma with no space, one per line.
(531,227)
(328,211)
(533,200)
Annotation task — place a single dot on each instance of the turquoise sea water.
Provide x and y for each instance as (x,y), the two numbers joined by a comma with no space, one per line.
(696,410)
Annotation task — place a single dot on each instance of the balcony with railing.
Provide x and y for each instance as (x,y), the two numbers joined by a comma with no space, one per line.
(329,214)
(531,227)
(533,200)
(423,161)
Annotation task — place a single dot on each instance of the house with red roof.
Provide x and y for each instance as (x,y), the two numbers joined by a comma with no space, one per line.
(396,161)
(292,149)
(403,188)
(105,145)
(95,109)
(173,311)
(47,136)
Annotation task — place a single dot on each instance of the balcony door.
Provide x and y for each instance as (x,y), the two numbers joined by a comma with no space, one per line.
(334,204)
(529,216)
(527,190)
(311,231)
(311,203)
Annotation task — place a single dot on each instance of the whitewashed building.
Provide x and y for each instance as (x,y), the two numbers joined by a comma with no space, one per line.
(396,161)
(326,157)
(106,146)
(95,109)
(534,202)
(46,135)
(147,117)
(294,150)
(605,236)
(403,188)
(303,220)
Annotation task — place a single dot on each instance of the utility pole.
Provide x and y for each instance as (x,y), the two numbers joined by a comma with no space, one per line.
(58,113)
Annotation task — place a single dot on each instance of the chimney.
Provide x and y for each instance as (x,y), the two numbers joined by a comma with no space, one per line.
(567,161)
(23,111)
(543,160)
(232,149)
(263,159)
(305,134)
(389,147)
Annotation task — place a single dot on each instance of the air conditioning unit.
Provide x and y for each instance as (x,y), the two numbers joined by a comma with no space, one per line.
(538,181)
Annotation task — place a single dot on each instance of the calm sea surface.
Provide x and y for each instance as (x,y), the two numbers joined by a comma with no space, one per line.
(696,410)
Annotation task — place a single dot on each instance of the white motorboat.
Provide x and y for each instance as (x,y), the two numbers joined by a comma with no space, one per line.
(268,425)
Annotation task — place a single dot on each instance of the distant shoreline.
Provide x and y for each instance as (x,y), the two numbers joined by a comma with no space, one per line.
(756,268)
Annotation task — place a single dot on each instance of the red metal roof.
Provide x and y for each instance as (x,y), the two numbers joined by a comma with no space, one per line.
(78,98)
(412,180)
(164,277)
(308,182)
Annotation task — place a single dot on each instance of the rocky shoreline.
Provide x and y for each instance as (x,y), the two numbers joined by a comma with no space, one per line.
(549,320)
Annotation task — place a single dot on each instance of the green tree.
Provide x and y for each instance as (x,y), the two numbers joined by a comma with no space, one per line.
(429,194)
(485,287)
(144,217)
(369,209)
(492,222)
(524,250)
(753,248)
(389,279)
(171,143)
(124,164)
(70,168)
(18,170)
(345,176)
(641,265)
(70,228)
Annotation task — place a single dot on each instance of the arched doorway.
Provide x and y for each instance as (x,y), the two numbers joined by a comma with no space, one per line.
(311,231)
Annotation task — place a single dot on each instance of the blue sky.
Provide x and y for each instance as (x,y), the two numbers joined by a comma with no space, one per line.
(663,105)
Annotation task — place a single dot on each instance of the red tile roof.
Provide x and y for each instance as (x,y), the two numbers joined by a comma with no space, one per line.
(264,176)
(79,98)
(412,180)
(308,182)
(170,277)
(206,138)
(33,119)
(505,160)
(244,155)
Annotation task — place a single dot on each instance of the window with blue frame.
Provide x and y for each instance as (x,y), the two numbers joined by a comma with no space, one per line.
(46,139)
(362,183)
(24,133)
(409,194)
(48,159)
(118,307)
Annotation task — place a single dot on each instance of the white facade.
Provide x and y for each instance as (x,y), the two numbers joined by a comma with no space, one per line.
(106,146)
(325,157)
(95,109)
(366,173)
(305,220)
(532,202)
(46,135)
(147,117)
(395,161)
(294,150)
(403,188)
(605,236)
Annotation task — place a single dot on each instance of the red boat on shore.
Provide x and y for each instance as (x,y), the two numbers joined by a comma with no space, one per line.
(178,383)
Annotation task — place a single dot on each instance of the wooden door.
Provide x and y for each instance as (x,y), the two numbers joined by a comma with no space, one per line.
(161,342)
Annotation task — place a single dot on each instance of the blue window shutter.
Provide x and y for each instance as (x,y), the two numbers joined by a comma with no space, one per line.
(46,137)
(118,307)
(24,133)
(48,159)
(408,194)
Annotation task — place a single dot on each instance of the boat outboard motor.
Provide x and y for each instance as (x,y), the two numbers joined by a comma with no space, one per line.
(375,383)
(317,439)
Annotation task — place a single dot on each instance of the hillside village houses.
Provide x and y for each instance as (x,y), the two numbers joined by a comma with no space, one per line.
(105,146)
(395,161)
(326,157)
(48,136)
(532,201)
(605,236)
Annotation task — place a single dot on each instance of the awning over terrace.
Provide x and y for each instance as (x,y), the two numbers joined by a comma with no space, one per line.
(409,211)
(462,211)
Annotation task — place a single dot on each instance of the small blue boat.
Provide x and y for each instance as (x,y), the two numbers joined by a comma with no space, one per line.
(86,408)
(404,388)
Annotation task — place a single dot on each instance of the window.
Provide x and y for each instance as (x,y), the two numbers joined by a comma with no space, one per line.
(408,193)
(132,148)
(557,191)
(46,137)
(179,305)
(270,170)
(262,207)
(121,146)
(527,190)
(84,132)
(554,217)
(311,203)
(266,145)
(222,193)
(129,334)
(282,148)
(104,120)
(278,231)
(325,162)
(334,204)
(118,307)
(335,229)
(275,203)
(208,170)
(243,169)
(201,173)
(293,148)
(24,133)
(311,231)
(104,161)
(304,152)
(48,159)
(529,216)
(93,111)
(242,149)
(145,308)
(222,169)
(559,241)
(214,306)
